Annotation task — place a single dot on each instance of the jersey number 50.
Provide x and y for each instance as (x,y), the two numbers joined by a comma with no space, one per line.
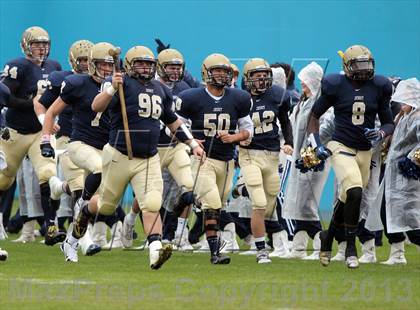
(358,115)
(214,123)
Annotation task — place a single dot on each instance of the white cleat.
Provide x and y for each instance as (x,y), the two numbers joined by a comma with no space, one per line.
(3,255)
(341,253)
(127,234)
(183,245)
(70,251)
(56,187)
(368,252)
(396,256)
(159,254)
(352,262)
(262,257)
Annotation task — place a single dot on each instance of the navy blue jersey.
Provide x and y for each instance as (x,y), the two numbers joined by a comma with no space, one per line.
(88,126)
(164,139)
(4,95)
(209,116)
(355,107)
(23,78)
(146,106)
(55,81)
(266,109)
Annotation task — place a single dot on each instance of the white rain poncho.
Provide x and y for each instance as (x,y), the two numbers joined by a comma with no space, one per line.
(312,75)
(402,195)
(303,191)
(279,77)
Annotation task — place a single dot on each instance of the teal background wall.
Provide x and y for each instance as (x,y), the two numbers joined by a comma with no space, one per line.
(289,31)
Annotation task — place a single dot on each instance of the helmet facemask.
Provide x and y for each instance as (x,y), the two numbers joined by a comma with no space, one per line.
(360,69)
(172,72)
(81,65)
(257,82)
(143,70)
(97,64)
(41,47)
(221,78)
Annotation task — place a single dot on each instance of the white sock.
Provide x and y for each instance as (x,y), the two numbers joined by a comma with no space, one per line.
(72,240)
(131,217)
(181,225)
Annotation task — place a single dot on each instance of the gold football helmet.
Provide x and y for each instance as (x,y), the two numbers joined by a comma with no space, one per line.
(170,56)
(35,34)
(134,63)
(100,52)
(79,49)
(217,61)
(260,84)
(358,63)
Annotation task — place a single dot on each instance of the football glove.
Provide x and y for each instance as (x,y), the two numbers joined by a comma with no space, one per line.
(46,148)
(321,152)
(374,135)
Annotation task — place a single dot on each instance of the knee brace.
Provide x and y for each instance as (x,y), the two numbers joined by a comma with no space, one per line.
(152,201)
(184,200)
(352,210)
(211,215)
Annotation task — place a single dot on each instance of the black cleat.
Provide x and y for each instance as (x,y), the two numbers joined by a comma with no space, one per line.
(219,259)
(164,254)
(54,236)
(93,249)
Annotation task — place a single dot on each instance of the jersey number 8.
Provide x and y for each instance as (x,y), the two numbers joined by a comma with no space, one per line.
(358,115)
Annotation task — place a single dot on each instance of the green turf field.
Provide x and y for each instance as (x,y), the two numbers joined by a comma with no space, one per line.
(36,277)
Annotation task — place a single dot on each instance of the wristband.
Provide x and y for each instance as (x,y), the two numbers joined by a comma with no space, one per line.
(45,138)
(110,90)
(193,144)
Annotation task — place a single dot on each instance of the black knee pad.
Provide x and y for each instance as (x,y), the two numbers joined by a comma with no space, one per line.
(211,215)
(45,189)
(184,200)
(352,209)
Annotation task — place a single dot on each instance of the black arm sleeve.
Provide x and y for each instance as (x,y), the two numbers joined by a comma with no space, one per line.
(384,111)
(286,127)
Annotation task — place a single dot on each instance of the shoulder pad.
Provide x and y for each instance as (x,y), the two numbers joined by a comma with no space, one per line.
(76,79)
(57,77)
(333,79)
(380,80)
(54,63)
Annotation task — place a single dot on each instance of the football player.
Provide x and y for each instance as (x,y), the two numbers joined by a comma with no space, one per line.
(90,129)
(174,156)
(147,102)
(74,176)
(216,112)
(259,161)
(26,79)
(357,97)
